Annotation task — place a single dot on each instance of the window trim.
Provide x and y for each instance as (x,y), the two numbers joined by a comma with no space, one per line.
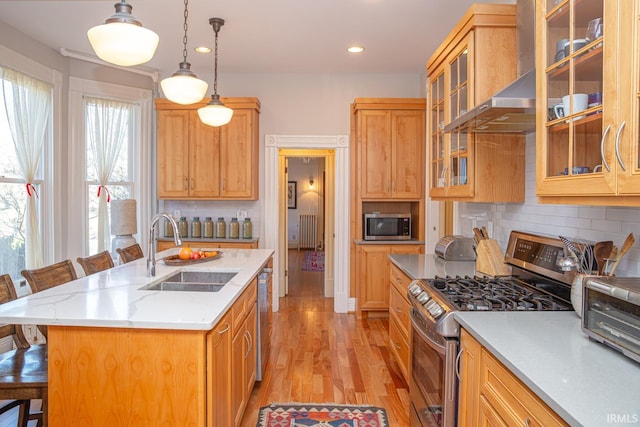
(142,153)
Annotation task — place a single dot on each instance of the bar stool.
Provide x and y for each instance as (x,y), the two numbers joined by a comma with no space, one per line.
(43,278)
(23,371)
(130,253)
(96,263)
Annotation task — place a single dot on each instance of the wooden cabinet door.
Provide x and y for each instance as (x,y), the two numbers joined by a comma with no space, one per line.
(173,153)
(238,372)
(238,157)
(251,351)
(374,152)
(219,374)
(204,170)
(469,386)
(373,277)
(407,249)
(407,141)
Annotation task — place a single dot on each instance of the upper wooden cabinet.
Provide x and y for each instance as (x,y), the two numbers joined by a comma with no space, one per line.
(476,60)
(587,57)
(390,137)
(197,161)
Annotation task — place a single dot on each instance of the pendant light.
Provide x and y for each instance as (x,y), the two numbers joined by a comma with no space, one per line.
(184,87)
(215,113)
(122,40)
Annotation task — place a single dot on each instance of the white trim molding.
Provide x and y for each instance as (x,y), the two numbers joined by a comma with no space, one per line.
(272,234)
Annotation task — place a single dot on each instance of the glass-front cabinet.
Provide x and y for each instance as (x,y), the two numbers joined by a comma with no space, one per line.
(477,59)
(588,103)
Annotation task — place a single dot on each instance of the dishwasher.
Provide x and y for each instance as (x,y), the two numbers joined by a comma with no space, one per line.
(264,321)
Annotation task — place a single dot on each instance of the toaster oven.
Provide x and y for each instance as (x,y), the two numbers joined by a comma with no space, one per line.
(611,313)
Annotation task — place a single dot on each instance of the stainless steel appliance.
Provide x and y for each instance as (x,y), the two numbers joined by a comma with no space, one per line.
(611,313)
(264,321)
(386,226)
(456,248)
(536,283)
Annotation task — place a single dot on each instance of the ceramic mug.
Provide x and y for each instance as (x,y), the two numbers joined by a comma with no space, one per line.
(579,102)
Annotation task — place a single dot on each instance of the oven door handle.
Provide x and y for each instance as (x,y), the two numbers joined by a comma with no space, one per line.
(434,345)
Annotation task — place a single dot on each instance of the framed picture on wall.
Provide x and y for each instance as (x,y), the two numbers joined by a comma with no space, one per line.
(292,195)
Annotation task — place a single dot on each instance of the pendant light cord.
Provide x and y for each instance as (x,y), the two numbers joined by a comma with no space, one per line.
(186,27)
(215,63)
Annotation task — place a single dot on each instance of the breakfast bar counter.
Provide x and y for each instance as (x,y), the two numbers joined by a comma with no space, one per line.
(113,298)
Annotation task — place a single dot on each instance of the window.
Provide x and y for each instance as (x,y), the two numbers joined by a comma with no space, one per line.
(23,144)
(109,163)
(106,112)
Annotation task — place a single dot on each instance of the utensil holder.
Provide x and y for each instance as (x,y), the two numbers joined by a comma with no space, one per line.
(490,259)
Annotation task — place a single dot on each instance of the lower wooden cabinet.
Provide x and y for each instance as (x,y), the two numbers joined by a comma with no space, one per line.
(161,245)
(218,371)
(243,352)
(373,267)
(491,395)
(400,319)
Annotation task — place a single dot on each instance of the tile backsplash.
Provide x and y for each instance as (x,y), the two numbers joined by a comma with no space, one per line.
(588,222)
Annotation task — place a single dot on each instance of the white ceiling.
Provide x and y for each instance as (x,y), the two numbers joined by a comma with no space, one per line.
(261,36)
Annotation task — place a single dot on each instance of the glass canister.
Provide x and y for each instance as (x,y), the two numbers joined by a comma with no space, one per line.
(168,229)
(208,228)
(221,228)
(246,228)
(183,227)
(196,227)
(234,228)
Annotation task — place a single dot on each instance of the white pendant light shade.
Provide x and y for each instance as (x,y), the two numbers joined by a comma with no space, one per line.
(184,87)
(122,40)
(215,113)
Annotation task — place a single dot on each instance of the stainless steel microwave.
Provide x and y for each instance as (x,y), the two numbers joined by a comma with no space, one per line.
(387,226)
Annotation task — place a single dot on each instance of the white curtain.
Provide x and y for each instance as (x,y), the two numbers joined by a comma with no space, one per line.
(107,127)
(28,105)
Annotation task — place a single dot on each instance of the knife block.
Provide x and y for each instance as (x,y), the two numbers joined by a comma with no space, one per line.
(490,259)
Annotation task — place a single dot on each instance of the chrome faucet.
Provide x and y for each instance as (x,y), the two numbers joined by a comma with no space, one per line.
(151,259)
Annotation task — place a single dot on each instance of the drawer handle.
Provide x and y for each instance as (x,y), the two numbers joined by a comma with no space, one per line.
(527,422)
(396,345)
(458,365)
(398,309)
(225,329)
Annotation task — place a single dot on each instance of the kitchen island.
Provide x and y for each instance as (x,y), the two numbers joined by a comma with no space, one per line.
(121,355)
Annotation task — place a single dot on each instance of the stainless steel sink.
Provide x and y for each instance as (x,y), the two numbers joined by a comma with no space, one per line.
(193,281)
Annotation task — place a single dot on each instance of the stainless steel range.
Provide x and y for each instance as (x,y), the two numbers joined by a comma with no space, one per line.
(536,283)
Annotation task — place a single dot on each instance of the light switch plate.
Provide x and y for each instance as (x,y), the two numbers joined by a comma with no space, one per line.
(241,214)
(176,214)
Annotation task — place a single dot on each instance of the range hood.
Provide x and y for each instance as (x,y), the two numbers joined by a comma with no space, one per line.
(513,109)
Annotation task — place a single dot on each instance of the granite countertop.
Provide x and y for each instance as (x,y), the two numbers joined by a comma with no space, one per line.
(112,298)
(427,266)
(586,383)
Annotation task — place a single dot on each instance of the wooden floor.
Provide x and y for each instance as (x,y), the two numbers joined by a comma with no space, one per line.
(318,356)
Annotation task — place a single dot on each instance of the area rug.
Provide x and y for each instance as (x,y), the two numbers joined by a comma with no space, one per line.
(313,261)
(321,415)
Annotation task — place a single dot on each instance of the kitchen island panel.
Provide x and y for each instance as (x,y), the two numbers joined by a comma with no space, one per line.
(113,376)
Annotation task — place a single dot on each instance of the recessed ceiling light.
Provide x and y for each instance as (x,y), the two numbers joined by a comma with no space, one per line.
(202,49)
(355,49)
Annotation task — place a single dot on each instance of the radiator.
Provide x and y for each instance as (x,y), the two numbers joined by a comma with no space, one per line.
(308,232)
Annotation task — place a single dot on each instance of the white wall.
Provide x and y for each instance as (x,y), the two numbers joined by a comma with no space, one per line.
(589,222)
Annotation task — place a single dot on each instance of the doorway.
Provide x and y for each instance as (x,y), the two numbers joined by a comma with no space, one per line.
(277,147)
(305,220)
